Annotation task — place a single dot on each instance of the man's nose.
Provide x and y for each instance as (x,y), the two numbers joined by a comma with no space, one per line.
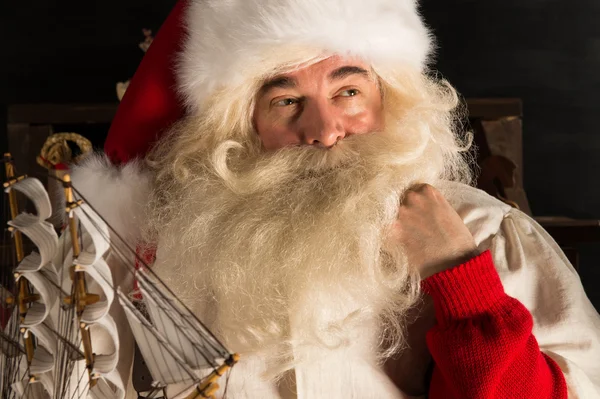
(321,125)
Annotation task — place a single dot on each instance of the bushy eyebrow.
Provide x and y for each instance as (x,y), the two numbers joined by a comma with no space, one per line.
(286,82)
(281,82)
(346,71)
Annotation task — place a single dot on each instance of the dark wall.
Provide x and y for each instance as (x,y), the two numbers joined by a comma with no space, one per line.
(545,52)
(548,54)
(72,51)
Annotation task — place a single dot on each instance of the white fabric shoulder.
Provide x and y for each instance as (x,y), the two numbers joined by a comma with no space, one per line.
(480,212)
(535,271)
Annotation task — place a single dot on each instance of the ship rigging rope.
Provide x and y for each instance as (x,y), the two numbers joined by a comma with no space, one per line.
(138,257)
(121,251)
(222,350)
(206,359)
(206,332)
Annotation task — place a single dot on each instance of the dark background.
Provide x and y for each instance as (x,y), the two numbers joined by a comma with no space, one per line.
(544,52)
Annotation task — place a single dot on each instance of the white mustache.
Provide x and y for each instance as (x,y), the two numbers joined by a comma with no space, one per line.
(356,151)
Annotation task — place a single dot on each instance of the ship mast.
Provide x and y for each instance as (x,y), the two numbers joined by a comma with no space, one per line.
(24,296)
(208,387)
(79,297)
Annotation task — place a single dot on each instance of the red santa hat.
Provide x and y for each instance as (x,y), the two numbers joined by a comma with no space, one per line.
(207,44)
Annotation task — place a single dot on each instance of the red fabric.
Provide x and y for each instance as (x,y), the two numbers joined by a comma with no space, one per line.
(150,104)
(482,344)
(145,257)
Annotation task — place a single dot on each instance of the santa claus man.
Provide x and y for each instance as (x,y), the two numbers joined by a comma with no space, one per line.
(306,187)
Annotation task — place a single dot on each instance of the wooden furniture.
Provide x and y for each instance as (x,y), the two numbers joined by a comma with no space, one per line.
(497,124)
(28,126)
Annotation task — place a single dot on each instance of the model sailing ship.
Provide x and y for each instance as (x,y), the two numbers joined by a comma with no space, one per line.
(58,339)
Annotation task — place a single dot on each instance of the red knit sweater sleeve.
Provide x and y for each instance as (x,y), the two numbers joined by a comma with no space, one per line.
(482,343)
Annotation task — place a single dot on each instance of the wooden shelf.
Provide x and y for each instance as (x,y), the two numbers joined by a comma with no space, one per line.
(494,108)
(44,114)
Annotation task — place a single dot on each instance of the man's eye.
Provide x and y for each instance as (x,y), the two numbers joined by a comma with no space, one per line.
(286,102)
(349,93)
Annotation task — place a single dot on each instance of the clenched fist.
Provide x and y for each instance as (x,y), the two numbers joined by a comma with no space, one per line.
(431,233)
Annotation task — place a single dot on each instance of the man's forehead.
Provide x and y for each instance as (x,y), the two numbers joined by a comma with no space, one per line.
(332,69)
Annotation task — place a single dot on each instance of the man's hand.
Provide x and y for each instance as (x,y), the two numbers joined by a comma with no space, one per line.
(432,234)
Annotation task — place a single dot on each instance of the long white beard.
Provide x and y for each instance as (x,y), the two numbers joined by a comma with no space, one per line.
(285,255)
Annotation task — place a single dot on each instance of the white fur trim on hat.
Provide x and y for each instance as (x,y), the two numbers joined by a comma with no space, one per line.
(224,36)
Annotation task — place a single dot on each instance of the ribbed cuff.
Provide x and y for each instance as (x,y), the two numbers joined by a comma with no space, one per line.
(465,291)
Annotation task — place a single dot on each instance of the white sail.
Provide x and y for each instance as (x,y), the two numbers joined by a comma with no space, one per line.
(63,247)
(95,243)
(38,269)
(39,272)
(100,273)
(40,232)
(164,364)
(110,386)
(34,190)
(200,351)
(177,348)
(45,284)
(40,388)
(13,360)
(43,357)
(98,232)
(41,365)
(104,363)
(77,386)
